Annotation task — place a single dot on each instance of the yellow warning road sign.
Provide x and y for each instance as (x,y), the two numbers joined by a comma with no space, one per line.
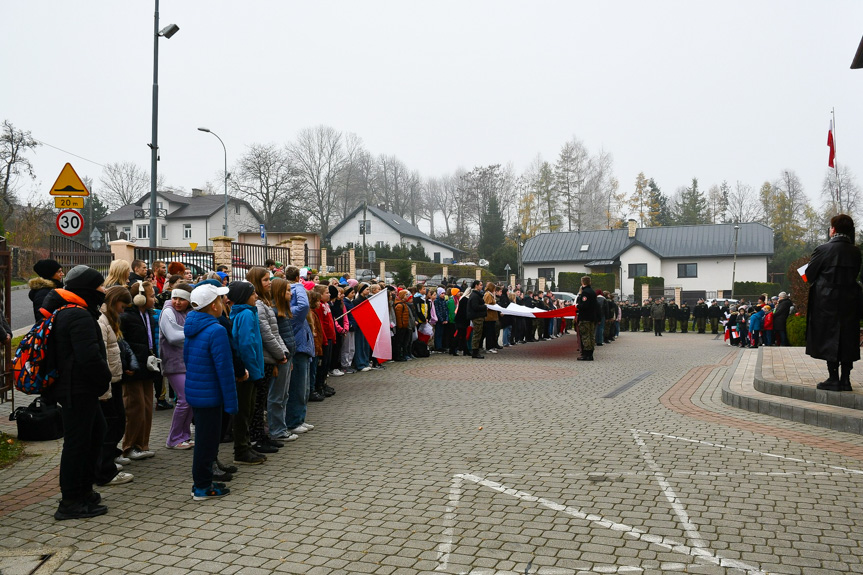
(76,203)
(193,245)
(69,184)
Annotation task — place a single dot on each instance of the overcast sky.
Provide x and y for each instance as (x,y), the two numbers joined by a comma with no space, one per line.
(716,90)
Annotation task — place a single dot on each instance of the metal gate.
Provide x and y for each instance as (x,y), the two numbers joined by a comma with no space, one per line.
(5,309)
(70,253)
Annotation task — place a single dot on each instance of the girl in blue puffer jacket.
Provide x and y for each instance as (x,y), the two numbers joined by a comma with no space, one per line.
(210,386)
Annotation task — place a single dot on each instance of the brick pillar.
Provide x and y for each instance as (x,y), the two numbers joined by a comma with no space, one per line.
(478,274)
(298,255)
(541,283)
(222,251)
(383,270)
(512,281)
(323,260)
(645,292)
(445,273)
(414,272)
(352,263)
(123,250)
(678,293)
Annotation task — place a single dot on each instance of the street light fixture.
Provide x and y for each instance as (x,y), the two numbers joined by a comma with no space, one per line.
(209,131)
(167,32)
(734,265)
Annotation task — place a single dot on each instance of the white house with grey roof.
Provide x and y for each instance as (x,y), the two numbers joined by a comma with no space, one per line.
(383,228)
(182,219)
(696,258)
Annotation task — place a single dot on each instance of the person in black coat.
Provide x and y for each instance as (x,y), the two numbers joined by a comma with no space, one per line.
(476,310)
(83,375)
(458,343)
(588,316)
(780,320)
(50,277)
(835,304)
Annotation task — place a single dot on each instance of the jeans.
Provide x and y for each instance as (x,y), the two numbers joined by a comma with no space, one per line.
(600,331)
(507,331)
(782,337)
(181,419)
(438,336)
(347,351)
(364,352)
(208,425)
(768,336)
(323,367)
(115,420)
(277,400)
(83,433)
(298,391)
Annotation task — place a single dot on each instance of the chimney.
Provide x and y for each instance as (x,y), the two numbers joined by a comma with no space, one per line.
(631,225)
(197,192)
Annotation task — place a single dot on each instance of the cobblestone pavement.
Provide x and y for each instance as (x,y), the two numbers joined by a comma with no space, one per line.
(513,464)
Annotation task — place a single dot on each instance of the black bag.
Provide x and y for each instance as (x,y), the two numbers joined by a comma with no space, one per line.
(419,349)
(38,421)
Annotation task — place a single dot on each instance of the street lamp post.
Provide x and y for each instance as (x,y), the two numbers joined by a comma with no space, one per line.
(167,32)
(225,230)
(734,265)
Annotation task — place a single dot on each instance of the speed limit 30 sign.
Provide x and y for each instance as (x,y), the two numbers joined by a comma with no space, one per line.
(70,223)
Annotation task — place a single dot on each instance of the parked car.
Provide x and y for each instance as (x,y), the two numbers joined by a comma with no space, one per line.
(564,295)
(436,280)
(365,275)
(421,279)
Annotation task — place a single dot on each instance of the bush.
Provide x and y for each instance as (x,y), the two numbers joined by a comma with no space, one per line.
(799,288)
(756,288)
(796,328)
(571,281)
(401,272)
(650,281)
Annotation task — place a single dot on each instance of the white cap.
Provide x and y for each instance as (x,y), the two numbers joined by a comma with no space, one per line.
(203,295)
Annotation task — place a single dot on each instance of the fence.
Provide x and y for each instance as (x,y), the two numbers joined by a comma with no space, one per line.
(341,263)
(70,253)
(199,263)
(245,256)
(5,309)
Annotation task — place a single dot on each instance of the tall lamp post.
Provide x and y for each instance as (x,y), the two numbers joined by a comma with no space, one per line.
(167,32)
(734,265)
(225,230)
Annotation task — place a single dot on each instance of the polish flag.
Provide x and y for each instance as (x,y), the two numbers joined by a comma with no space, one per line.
(373,318)
(802,271)
(831,145)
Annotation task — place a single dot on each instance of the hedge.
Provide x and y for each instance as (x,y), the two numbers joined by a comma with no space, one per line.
(799,288)
(571,281)
(796,328)
(650,281)
(756,288)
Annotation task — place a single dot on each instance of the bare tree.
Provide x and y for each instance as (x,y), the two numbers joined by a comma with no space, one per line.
(743,204)
(123,183)
(14,144)
(349,178)
(319,156)
(841,194)
(264,177)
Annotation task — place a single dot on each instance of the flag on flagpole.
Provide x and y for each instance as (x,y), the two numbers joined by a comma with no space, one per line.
(802,271)
(831,145)
(373,318)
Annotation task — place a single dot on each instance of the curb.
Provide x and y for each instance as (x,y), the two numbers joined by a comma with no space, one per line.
(16,288)
(791,408)
(807,393)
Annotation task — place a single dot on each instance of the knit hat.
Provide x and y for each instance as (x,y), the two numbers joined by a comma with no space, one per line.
(309,285)
(240,291)
(334,292)
(766,308)
(352,282)
(214,283)
(46,268)
(361,287)
(83,277)
(455,291)
(222,275)
(440,290)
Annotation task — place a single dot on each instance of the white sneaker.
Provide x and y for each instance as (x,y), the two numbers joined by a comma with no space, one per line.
(308,425)
(299,429)
(122,460)
(287,436)
(492,350)
(366,368)
(118,466)
(337,373)
(136,454)
(121,478)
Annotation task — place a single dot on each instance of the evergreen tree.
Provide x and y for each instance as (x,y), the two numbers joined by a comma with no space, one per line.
(492,235)
(639,201)
(692,208)
(546,194)
(662,215)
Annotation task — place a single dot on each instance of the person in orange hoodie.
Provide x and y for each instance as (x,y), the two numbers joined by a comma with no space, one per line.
(319,337)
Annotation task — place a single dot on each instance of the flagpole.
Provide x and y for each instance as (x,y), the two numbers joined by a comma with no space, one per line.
(836,162)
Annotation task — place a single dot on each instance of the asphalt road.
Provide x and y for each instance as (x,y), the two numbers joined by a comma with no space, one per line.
(22,310)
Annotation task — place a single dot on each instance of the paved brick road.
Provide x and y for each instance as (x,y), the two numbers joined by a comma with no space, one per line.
(398,478)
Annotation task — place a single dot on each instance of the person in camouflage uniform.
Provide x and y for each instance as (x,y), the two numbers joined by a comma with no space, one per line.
(588,315)
(683,316)
(657,315)
(646,323)
(700,315)
(672,315)
(634,316)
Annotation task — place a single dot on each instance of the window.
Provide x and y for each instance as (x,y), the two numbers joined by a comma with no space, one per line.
(187,231)
(687,270)
(164,232)
(547,273)
(637,270)
(437,257)
(236,207)
(159,205)
(128,231)
(143,231)
(379,244)
(584,247)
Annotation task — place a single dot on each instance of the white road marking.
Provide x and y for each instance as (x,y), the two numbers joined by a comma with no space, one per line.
(446,545)
(679,510)
(627,530)
(752,451)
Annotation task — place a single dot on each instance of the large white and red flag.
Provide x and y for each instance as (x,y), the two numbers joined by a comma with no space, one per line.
(523,311)
(831,145)
(373,318)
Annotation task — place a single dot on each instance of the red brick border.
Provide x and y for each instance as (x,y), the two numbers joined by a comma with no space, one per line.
(36,491)
(679,399)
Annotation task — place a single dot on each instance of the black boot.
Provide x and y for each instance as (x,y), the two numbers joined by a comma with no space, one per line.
(832,381)
(476,354)
(845,380)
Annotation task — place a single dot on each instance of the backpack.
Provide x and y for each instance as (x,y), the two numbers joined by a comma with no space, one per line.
(33,370)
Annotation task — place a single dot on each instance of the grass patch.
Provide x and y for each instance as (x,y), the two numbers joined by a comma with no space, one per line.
(11,450)
(19,282)
(15,342)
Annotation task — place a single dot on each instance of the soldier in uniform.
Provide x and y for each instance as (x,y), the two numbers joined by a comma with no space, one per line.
(588,314)
(714,313)
(657,314)
(646,324)
(634,316)
(700,315)
(683,316)
(672,314)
